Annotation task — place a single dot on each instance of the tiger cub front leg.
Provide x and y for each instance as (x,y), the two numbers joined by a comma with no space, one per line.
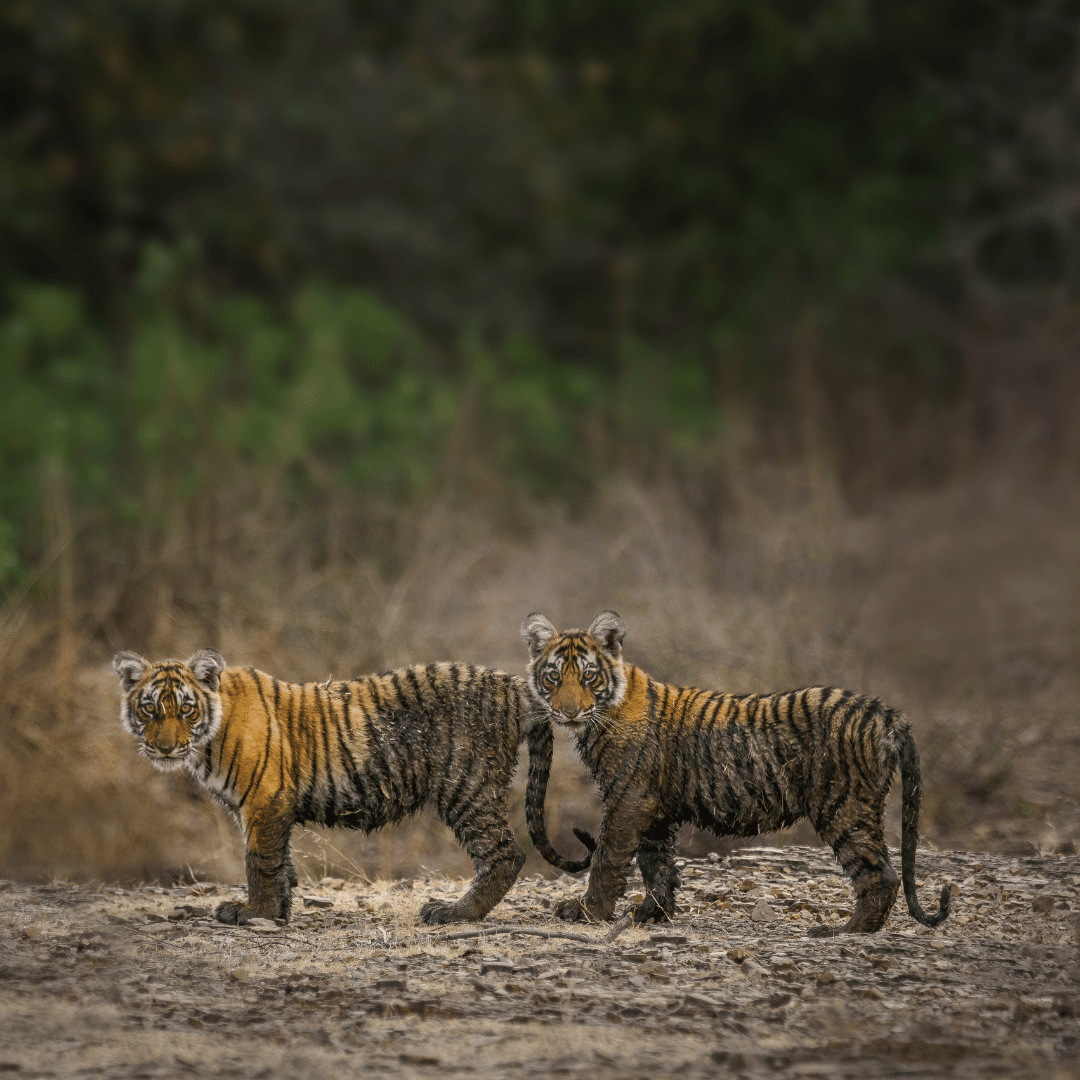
(270,870)
(620,837)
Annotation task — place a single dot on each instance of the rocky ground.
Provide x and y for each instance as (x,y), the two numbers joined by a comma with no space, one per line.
(141,983)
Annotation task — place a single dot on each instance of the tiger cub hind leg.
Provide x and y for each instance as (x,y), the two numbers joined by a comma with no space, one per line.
(860,849)
(488,839)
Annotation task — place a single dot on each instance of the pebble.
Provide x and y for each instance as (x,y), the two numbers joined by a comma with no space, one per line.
(762,912)
(1004,980)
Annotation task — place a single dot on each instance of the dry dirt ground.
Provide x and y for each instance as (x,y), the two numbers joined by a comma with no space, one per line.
(141,983)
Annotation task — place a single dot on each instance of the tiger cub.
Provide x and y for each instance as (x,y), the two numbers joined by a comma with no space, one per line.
(736,764)
(360,753)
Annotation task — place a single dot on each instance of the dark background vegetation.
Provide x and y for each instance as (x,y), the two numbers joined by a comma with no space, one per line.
(340,334)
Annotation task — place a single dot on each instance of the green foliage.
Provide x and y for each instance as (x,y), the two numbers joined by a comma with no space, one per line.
(332,391)
(492,164)
(374,247)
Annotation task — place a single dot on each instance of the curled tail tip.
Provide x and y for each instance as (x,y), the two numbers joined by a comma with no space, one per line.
(945,903)
(942,913)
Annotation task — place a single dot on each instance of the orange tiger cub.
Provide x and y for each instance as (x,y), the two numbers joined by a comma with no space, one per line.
(735,764)
(361,753)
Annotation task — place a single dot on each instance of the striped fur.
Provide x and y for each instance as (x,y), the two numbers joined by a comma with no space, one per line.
(360,754)
(736,764)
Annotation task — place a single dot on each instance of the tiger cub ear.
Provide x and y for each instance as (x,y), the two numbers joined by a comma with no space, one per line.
(608,629)
(537,632)
(130,667)
(207,665)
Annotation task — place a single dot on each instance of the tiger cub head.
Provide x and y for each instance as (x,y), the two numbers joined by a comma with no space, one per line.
(172,708)
(577,675)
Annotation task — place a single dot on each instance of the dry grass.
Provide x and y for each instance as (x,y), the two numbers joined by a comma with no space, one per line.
(957,606)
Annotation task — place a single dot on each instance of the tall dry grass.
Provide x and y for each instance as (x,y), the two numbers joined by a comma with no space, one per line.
(958,607)
(959,603)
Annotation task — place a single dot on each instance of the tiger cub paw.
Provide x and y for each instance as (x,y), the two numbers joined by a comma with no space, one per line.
(570,910)
(650,911)
(234,913)
(439,912)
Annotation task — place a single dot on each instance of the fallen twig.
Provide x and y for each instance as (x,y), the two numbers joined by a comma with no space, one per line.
(517,930)
(618,928)
(150,937)
(276,939)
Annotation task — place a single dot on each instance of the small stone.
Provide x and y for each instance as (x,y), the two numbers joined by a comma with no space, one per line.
(1067,1005)
(762,912)
(883,963)
(653,969)
(825,978)
(874,993)
(733,1059)
(262,926)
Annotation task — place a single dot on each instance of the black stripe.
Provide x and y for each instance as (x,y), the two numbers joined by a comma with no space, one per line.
(348,762)
(804,743)
(842,791)
(227,784)
(454,797)
(329,807)
(255,781)
(867,769)
(708,745)
(305,725)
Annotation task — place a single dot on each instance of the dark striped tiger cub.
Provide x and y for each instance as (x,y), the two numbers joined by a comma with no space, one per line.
(736,764)
(361,753)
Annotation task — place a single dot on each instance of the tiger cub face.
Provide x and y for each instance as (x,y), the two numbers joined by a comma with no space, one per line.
(577,675)
(172,708)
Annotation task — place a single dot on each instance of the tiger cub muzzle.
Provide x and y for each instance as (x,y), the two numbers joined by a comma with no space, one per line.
(571,700)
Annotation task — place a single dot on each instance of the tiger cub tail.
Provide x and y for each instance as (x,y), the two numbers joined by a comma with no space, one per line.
(541,745)
(911,776)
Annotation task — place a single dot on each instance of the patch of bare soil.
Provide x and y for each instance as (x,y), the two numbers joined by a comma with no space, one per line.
(142,983)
